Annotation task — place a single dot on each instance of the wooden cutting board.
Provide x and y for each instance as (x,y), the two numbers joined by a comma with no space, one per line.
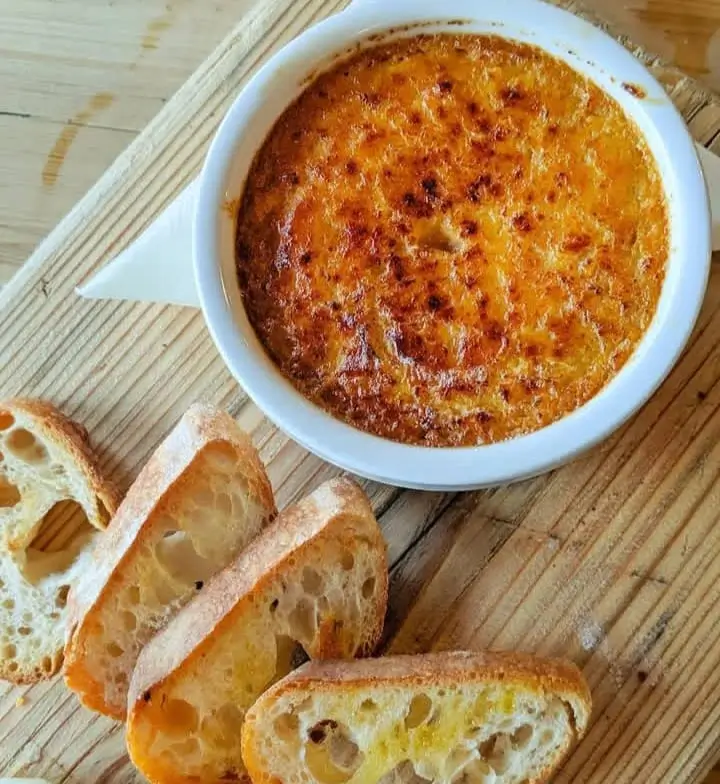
(613,561)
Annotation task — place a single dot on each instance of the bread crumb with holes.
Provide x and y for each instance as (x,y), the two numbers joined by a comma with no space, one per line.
(202,497)
(54,501)
(446,718)
(314,584)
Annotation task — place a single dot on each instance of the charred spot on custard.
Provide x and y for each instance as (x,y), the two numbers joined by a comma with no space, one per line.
(522,222)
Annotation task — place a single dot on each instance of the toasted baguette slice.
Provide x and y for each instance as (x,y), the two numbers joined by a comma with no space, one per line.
(202,497)
(316,578)
(53,500)
(447,718)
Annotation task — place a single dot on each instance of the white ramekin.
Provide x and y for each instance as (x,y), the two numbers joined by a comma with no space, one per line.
(586,49)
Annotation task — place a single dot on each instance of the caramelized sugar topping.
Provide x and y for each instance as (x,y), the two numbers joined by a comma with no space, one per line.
(452,240)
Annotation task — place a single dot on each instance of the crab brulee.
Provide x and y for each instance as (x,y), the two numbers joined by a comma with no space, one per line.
(451,240)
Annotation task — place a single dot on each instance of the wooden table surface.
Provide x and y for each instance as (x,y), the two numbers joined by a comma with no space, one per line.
(80,78)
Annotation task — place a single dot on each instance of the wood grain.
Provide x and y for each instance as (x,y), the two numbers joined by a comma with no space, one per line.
(57,55)
(613,561)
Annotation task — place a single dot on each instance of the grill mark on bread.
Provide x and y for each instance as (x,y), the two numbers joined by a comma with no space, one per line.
(450,227)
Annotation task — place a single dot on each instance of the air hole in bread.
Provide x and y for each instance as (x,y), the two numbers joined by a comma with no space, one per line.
(12,666)
(222,727)
(522,736)
(177,718)
(63,525)
(286,726)
(302,621)
(23,445)
(330,753)
(487,747)
(347,561)
(114,650)
(403,773)
(289,655)
(497,752)
(9,651)
(128,620)
(177,555)
(24,631)
(9,604)
(61,536)
(55,615)
(162,593)
(459,757)
(312,582)
(368,588)
(47,664)
(9,494)
(132,594)
(418,711)
(7,420)
(476,772)
(368,706)
(61,596)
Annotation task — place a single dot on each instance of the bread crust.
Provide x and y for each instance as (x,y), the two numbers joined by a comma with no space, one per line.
(553,676)
(201,426)
(70,438)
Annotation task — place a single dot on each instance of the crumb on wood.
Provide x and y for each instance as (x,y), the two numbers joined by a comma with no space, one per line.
(20,701)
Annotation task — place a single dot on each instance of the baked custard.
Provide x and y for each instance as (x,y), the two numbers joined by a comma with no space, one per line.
(452,240)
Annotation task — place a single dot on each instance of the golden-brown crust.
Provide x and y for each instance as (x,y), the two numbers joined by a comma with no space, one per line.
(200,427)
(72,438)
(550,676)
(195,627)
(452,240)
